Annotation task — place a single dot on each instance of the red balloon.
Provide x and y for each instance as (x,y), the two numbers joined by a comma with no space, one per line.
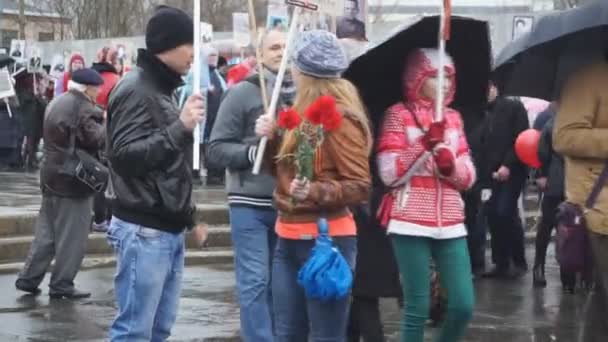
(526,148)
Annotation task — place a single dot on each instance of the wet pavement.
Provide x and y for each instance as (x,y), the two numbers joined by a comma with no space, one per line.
(505,311)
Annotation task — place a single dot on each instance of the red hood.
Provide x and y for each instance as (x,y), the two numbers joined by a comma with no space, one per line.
(422,64)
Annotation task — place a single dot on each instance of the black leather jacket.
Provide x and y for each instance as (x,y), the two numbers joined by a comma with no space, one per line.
(150,149)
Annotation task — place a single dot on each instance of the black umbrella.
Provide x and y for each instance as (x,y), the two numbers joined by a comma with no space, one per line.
(377,73)
(540,62)
(5,60)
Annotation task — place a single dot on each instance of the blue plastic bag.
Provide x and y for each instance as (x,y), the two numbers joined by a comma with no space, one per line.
(326,275)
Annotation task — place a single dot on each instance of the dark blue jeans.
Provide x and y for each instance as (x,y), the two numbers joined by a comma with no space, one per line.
(254,239)
(299,319)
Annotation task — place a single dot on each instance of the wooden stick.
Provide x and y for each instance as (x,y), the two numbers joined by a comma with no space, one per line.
(255,40)
(277,87)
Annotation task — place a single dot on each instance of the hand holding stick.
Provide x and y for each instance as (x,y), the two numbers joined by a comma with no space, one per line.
(277,88)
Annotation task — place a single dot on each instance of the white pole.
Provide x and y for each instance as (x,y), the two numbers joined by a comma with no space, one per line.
(196,80)
(277,87)
(441,73)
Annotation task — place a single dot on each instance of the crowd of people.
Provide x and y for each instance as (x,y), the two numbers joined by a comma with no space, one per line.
(408,206)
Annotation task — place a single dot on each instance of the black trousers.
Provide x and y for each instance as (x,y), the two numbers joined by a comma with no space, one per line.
(476,229)
(547,223)
(101,208)
(505,224)
(365,321)
(595,323)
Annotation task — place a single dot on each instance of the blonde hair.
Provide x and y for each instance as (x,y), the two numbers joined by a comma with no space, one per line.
(347,98)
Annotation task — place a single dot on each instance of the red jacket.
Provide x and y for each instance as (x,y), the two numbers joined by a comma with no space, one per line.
(109,81)
(428,204)
(110,78)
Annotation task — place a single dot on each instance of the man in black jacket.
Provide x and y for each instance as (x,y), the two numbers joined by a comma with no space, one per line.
(503,175)
(150,146)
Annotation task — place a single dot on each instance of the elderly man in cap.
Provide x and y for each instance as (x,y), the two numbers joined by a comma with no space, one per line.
(150,150)
(65,215)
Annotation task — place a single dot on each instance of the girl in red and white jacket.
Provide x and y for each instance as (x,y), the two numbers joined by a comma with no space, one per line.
(427,164)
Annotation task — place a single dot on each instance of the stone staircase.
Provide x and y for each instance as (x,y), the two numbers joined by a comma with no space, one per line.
(20,201)
(17,234)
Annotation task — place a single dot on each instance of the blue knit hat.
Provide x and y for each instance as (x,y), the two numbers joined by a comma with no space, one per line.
(87,76)
(318,53)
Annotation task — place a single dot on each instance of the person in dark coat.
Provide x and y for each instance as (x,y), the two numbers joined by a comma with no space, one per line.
(376,274)
(73,122)
(551,181)
(473,118)
(11,136)
(32,106)
(503,175)
(217,87)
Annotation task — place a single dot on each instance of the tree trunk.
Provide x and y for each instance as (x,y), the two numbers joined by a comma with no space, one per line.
(22,20)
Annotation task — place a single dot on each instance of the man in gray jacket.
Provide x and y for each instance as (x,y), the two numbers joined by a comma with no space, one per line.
(252,217)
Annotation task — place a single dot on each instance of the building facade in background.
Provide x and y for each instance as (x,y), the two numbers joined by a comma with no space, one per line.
(40,25)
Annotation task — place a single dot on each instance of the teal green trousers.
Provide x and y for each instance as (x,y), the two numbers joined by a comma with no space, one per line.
(451,257)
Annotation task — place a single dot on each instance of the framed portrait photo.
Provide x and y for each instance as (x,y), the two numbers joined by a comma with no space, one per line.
(522,24)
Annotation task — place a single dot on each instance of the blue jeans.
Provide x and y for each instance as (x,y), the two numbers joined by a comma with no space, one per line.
(297,317)
(253,238)
(148,279)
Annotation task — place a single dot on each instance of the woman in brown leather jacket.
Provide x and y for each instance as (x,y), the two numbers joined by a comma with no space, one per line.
(341,179)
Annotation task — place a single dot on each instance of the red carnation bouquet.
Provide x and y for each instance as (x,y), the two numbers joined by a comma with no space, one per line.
(320,118)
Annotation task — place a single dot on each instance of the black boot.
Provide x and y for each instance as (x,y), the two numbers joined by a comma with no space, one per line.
(568,282)
(538,275)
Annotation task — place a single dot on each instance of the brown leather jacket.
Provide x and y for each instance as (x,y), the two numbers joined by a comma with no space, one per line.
(71,109)
(344,180)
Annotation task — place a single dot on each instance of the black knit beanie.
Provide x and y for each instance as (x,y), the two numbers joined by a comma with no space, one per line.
(167,29)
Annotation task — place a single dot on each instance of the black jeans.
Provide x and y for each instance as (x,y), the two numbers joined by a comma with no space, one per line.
(365,321)
(101,208)
(547,223)
(506,225)
(476,229)
(595,326)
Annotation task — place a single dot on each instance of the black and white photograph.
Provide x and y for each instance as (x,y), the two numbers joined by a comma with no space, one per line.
(17,49)
(352,24)
(522,25)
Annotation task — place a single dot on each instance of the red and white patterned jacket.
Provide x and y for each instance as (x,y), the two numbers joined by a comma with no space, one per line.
(428,205)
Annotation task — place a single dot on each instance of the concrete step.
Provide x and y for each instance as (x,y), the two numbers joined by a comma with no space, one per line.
(193,257)
(23,224)
(16,248)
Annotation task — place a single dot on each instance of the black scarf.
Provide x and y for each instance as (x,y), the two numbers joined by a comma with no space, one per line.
(164,77)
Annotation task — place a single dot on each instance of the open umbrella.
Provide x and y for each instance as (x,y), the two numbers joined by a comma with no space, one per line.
(326,275)
(377,73)
(540,62)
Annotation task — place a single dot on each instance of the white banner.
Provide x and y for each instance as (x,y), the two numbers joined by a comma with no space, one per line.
(240,28)
(206,32)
